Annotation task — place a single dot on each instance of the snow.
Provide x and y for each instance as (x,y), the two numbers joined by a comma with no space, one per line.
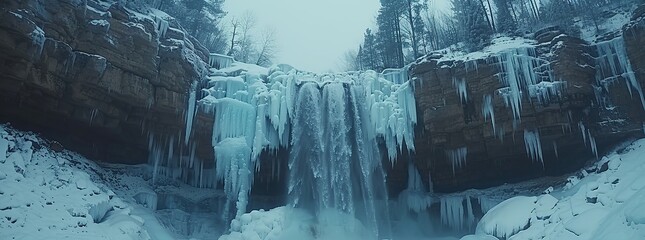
(599,205)
(219,61)
(478,237)
(100,22)
(584,224)
(497,46)
(4,146)
(44,199)
(507,218)
(291,223)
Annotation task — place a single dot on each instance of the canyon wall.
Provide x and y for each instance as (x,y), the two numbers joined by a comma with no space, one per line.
(99,78)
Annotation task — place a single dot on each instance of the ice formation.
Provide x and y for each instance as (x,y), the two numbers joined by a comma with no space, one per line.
(488,110)
(415,197)
(523,73)
(613,64)
(162,26)
(235,169)
(219,61)
(460,86)
(454,214)
(190,112)
(533,145)
(587,138)
(457,158)
(330,123)
(471,64)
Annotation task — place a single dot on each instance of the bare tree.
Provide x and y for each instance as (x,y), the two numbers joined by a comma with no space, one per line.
(267,48)
(350,61)
(243,27)
(235,23)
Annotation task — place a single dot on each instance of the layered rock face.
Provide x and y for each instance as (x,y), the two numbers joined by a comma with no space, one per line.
(100,78)
(488,119)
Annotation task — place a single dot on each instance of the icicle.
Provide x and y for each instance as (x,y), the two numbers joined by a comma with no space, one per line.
(488,110)
(454,215)
(219,61)
(612,63)
(519,75)
(583,130)
(191,111)
(457,158)
(555,149)
(533,145)
(460,86)
(414,196)
(162,26)
(592,143)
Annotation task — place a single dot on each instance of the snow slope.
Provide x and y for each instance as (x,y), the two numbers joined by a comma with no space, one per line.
(606,202)
(58,194)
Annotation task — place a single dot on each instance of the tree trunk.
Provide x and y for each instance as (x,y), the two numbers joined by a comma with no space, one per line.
(481,3)
(492,18)
(230,52)
(412,31)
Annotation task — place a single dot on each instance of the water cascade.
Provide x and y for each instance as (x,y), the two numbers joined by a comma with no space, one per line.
(331,125)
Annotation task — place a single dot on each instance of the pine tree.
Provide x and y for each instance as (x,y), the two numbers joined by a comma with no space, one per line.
(505,22)
(472,21)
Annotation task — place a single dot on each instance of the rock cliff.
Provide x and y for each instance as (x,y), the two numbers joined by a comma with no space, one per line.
(526,108)
(98,77)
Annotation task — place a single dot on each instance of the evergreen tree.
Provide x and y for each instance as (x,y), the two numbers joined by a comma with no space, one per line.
(505,22)
(473,24)
(561,14)
(389,36)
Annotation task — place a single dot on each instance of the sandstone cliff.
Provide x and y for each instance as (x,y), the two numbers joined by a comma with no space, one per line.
(97,76)
(584,109)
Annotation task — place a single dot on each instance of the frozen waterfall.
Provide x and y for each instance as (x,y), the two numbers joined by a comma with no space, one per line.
(330,123)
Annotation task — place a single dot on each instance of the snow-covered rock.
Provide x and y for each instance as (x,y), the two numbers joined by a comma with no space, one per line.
(508,217)
(46,200)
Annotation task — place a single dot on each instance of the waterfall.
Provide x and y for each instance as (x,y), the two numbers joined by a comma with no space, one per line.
(331,125)
(335,164)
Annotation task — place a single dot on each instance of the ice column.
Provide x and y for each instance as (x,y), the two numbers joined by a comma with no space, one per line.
(533,145)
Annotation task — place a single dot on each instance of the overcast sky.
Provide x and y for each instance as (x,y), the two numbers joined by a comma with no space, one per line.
(311,35)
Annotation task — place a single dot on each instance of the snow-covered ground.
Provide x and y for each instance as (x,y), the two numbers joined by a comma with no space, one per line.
(50,193)
(604,201)
(59,194)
